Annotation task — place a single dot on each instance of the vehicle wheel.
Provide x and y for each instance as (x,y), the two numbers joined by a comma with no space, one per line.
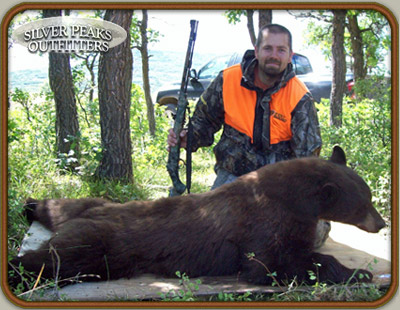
(170,108)
(170,105)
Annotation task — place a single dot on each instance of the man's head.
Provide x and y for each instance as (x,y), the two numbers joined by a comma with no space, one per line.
(273,49)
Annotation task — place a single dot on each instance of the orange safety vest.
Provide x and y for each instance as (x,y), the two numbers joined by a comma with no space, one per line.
(240,105)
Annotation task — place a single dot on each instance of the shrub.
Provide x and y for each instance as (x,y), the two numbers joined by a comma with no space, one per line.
(365,136)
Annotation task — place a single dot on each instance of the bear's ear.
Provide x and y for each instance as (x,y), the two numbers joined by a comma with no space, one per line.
(338,156)
(30,208)
(329,193)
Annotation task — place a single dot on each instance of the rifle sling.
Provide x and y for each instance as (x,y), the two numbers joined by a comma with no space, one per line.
(189,154)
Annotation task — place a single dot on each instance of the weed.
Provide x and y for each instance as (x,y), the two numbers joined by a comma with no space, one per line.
(186,293)
(247,296)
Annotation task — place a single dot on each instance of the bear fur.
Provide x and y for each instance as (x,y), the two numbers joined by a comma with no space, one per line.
(271,212)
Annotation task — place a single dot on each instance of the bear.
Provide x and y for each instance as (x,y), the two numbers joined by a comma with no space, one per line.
(270,214)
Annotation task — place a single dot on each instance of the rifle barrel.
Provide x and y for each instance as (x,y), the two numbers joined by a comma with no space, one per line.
(173,157)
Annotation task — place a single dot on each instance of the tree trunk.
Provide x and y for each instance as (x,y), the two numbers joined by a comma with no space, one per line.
(339,68)
(145,73)
(359,69)
(264,18)
(250,26)
(61,84)
(115,83)
(90,62)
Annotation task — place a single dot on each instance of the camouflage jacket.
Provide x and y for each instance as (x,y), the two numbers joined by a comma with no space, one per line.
(235,152)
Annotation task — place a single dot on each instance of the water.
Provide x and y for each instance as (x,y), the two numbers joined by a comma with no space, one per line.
(165,67)
(28,80)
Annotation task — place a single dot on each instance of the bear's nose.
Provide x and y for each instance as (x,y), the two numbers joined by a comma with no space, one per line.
(382,224)
(372,222)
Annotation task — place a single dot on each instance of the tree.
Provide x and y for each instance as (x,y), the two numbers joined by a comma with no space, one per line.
(89,60)
(141,36)
(338,67)
(264,18)
(115,83)
(250,26)
(359,68)
(367,40)
(61,84)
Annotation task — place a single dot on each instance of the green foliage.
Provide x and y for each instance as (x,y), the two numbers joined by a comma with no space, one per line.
(247,296)
(84,76)
(27,279)
(31,130)
(365,136)
(323,292)
(374,31)
(252,257)
(313,276)
(149,152)
(318,34)
(21,18)
(186,293)
(375,35)
(136,36)
(234,16)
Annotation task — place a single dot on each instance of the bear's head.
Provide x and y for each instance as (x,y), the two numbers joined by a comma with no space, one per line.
(346,198)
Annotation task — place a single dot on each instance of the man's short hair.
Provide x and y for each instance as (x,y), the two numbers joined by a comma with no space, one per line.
(274,28)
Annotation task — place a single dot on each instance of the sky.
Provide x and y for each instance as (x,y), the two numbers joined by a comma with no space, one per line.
(215,35)
(214,32)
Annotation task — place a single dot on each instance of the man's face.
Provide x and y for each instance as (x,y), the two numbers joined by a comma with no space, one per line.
(274,53)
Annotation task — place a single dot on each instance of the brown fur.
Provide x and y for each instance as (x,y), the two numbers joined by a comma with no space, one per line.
(271,212)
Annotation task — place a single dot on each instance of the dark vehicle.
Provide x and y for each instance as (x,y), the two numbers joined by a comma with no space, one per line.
(319,85)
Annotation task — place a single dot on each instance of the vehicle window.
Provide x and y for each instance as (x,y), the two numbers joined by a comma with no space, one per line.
(235,59)
(301,64)
(212,68)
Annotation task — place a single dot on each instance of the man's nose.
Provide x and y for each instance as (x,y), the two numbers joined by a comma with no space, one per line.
(274,53)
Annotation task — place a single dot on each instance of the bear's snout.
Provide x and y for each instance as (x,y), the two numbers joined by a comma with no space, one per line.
(372,222)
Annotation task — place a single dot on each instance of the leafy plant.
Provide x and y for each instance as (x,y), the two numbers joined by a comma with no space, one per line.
(252,257)
(247,296)
(365,136)
(186,293)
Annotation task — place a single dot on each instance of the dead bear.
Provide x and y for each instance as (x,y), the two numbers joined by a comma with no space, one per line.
(271,212)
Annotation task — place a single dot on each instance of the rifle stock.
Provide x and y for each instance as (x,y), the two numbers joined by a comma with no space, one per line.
(173,157)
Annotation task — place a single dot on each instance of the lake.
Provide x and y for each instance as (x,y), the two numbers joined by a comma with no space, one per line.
(165,67)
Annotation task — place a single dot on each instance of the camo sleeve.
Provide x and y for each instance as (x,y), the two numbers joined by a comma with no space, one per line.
(306,139)
(208,116)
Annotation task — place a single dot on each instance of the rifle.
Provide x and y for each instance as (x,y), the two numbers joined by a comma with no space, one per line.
(173,157)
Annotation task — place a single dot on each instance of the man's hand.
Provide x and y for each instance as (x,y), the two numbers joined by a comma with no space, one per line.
(172,140)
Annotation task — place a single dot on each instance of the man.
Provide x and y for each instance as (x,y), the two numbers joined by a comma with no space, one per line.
(267,113)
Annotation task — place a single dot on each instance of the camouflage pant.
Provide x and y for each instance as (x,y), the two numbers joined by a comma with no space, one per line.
(323,227)
(223,177)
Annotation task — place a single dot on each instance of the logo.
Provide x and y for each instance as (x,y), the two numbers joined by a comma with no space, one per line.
(279,116)
(65,34)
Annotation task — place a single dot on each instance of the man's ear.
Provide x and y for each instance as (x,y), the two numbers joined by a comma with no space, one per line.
(329,193)
(338,156)
(291,57)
